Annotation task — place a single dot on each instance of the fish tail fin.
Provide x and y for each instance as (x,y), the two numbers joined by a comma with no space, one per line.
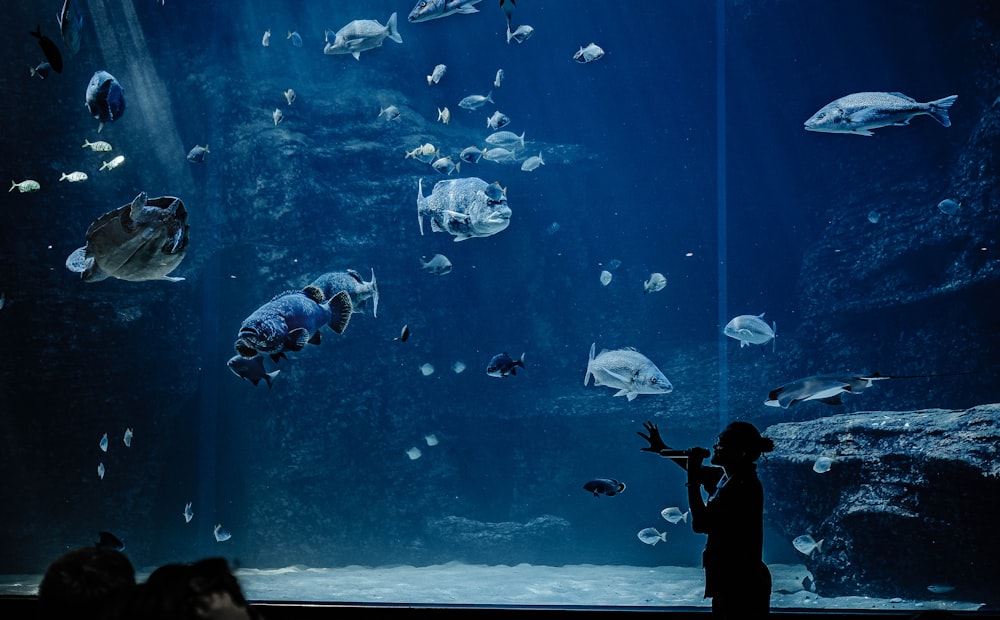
(341,308)
(489,96)
(12,186)
(420,199)
(587,376)
(269,377)
(939,110)
(86,142)
(774,334)
(520,361)
(510,35)
(374,295)
(393,33)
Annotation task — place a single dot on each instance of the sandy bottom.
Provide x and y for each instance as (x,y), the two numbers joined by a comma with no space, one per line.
(522,585)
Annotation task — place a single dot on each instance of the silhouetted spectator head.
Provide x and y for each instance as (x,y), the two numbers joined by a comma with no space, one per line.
(80,583)
(740,442)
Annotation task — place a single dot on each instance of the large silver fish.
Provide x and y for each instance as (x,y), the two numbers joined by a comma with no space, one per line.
(361,35)
(433,9)
(290,321)
(631,372)
(859,113)
(465,208)
(349,280)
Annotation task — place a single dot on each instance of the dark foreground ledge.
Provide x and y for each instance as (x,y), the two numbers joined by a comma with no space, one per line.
(26,608)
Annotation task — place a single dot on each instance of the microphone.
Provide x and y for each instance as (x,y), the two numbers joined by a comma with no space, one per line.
(685,454)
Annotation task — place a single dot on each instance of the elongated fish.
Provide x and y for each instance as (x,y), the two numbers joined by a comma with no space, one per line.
(859,113)
(425,10)
(830,388)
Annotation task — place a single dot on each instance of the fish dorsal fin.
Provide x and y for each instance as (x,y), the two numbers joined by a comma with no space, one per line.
(833,400)
(355,275)
(284,294)
(314,293)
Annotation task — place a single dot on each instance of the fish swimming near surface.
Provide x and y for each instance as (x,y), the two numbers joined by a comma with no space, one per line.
(750,329)
(251,369)
(107,540)
(70,24)
(631,372)
(361,35)
(105,98)
(426,10)
(197,154)
(52,54)
(291,320)
(830,388)
(605,486)
(859,113)
(465,208)
(349,280)
(503,365)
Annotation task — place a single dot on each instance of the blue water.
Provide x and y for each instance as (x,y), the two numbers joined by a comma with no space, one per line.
(681,152)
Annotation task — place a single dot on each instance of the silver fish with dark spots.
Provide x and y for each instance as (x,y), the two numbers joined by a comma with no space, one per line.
(349,280)
(290,321)
(859,113)
(631,372)
(465,208)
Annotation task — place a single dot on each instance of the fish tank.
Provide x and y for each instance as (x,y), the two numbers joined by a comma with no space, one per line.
(365,303)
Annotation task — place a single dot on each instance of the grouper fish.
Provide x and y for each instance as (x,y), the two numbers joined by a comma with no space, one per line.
(351,281)
(465,208)
(291,320)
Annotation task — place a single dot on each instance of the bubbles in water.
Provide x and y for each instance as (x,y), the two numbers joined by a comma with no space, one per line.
(948,206)
(874,216)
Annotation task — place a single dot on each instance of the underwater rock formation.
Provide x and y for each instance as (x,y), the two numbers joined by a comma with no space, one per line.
(923,484)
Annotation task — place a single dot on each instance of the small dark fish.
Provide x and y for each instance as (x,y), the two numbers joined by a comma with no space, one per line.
(508,6)
(107,540)
(608,486)
(251,369)
(49,48)
(403,334)
(502,365)
(197,154)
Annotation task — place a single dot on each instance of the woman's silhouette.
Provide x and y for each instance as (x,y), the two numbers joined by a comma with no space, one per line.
(736,578)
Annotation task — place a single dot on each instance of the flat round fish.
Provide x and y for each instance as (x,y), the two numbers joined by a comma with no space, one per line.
(144,240)
(105,97)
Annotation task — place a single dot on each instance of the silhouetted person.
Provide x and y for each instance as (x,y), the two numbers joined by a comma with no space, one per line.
(83,582)
(736,579)
(204,589)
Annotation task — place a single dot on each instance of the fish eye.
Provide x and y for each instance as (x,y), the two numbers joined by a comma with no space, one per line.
(821,115)
(653,380)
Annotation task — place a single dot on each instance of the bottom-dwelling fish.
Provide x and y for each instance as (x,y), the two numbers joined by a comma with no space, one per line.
(628,370)
(607,486)
(349,280)
(251,369)
(291,320)
(502,365)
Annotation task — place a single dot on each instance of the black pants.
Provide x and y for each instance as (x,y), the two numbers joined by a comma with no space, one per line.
(748,598)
